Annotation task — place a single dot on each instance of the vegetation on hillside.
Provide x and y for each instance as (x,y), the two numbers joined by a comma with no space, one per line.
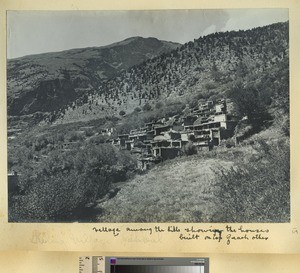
(247,183)
(63,167)
(47,82)
(204,69)
(257,190)
(67,180)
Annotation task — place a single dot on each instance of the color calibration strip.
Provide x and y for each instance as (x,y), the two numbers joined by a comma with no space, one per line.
(91,264)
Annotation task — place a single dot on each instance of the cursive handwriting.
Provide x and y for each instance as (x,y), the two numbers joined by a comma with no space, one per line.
(114,231)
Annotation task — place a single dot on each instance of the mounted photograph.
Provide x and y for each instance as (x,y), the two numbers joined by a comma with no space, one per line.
(148,116)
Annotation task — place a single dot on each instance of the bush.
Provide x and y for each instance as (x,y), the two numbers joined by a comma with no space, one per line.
(147,107)
(122,113)
(228,143)
(49,199)
(210,86)
(40,143)
(68,180)
(99,139)
(159,105)
(251,101)
(89,132)
(74,136)
(258,191)
(189,148)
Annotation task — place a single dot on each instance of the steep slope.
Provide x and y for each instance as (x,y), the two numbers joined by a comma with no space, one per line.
(46,82)
(203,69)
(178,191)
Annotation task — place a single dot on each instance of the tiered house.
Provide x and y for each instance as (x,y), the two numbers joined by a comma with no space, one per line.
(206,126)
(212,124)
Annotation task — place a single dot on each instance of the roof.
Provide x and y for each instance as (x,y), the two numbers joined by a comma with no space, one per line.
(123,135)
(163,126)
(162,138)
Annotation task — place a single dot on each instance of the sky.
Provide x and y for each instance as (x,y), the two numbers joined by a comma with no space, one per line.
(33,32)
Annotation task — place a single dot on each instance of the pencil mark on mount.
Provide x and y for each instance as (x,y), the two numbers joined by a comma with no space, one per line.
(152,131)
(295,231)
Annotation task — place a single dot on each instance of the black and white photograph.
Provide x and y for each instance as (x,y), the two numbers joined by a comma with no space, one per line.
(148,116)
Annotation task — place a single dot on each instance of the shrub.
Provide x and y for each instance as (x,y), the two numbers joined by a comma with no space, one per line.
(189,148)
(60,137)
(228,143)
(251,101)
(210,85)
(74,136)
(68,180)
(122,113)
(159,105)
(89,132)
(40,143)
(99,139)
(258,191)
(49,199)
(147,107)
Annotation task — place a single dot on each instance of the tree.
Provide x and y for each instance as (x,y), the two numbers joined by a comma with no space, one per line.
(65,181)
(250,101)
(190,148)
(159,105)
(242,69)
(147,107)
(215,73)
(186,111)
(122,113)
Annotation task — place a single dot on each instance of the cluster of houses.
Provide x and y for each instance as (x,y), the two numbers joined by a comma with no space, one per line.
(204,126)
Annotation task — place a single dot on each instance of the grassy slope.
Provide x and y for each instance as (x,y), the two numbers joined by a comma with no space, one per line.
(176,191)
(184,189)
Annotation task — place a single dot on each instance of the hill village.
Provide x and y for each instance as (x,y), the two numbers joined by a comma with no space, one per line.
(204,127)
(200,128)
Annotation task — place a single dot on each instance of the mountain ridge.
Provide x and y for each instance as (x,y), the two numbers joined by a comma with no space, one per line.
(129,39)
(45,82)
(203,69)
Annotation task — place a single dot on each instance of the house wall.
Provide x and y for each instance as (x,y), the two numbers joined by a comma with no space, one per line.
(169,153)
(222,117)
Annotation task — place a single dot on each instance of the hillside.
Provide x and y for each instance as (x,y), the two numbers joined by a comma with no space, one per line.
(203,69)
(179,191)
(46,82)
(227,185)
(200,133)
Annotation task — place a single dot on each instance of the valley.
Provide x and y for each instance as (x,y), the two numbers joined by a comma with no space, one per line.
(152,131)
